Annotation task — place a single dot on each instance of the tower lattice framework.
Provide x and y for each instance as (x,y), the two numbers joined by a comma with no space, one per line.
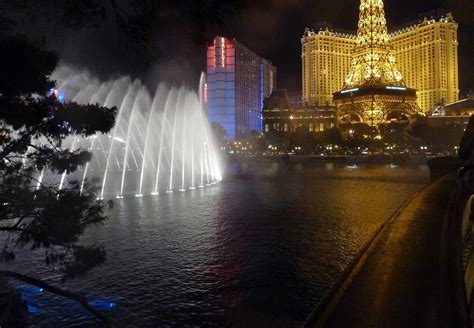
(374,90)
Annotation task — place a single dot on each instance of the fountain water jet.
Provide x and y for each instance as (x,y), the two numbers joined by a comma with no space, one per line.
(155,135)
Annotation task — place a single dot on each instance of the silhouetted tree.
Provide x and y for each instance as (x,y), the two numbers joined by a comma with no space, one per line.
(395,133)
(358,134)
(219,133)
(274,138)
(305,139)
(333,136)
(256,141)
(33,126)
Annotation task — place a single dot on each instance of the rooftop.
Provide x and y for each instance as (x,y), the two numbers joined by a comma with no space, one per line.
(426,18)
(461,104)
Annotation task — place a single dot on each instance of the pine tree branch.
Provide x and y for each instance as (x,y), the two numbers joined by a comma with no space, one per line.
(12,146)
(82,300)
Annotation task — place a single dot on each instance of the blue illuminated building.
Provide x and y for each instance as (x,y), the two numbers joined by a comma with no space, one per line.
(238,81)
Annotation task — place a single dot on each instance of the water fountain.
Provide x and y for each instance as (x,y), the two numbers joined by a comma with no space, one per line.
(161,142)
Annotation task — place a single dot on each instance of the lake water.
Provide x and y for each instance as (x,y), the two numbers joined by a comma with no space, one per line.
(263,245)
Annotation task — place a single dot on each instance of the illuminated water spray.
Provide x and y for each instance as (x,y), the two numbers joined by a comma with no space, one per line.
(160,141)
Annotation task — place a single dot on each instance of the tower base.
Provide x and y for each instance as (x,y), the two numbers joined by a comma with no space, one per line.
(375,105)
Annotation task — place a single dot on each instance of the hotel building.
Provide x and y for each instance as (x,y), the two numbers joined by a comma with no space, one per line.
(282,116)
(238,81)
(426,53)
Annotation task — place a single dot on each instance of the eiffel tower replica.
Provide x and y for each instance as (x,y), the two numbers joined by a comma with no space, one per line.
(374,91)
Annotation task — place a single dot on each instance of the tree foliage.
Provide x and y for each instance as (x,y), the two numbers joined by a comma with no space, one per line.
(303,138)
(219,133)
(33,126)
(396,133)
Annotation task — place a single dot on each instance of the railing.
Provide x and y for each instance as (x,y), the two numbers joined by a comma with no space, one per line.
(461,231)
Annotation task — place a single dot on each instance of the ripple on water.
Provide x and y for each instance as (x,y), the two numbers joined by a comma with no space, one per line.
(268,245)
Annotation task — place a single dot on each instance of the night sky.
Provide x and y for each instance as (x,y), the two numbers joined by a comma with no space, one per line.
(175,35)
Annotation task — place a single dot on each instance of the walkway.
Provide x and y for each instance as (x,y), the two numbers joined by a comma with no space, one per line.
(396,283)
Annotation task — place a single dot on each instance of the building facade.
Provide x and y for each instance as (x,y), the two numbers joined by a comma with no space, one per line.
(296,99)
(280,116)
(455,115)
(463,107)
(238,81)
(426,53)
(326,58)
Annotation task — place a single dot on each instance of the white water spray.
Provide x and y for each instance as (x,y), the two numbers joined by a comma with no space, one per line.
(158,135)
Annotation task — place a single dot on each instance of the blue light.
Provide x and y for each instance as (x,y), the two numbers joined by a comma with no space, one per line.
(350,90)
(51,91)
(102,304)
(396,88)
(30,290)
(33,309)
(61,97)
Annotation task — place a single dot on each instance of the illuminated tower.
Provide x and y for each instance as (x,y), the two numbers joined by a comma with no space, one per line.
(238,80)
(374,91)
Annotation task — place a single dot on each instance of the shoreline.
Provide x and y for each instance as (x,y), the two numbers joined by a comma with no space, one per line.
(348,159)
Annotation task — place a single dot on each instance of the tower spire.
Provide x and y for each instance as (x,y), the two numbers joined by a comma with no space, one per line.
(373,62)
(372,31)
(374,91)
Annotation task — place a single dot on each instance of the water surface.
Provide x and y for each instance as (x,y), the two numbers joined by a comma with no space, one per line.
(266,243)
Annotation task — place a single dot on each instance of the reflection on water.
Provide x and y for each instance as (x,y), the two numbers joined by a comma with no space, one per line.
(266,243)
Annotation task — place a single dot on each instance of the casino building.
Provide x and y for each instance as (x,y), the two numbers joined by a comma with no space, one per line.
(238,81)
(426,57)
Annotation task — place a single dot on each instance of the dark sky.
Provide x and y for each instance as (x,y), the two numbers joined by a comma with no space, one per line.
(274,29)
(175,34)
